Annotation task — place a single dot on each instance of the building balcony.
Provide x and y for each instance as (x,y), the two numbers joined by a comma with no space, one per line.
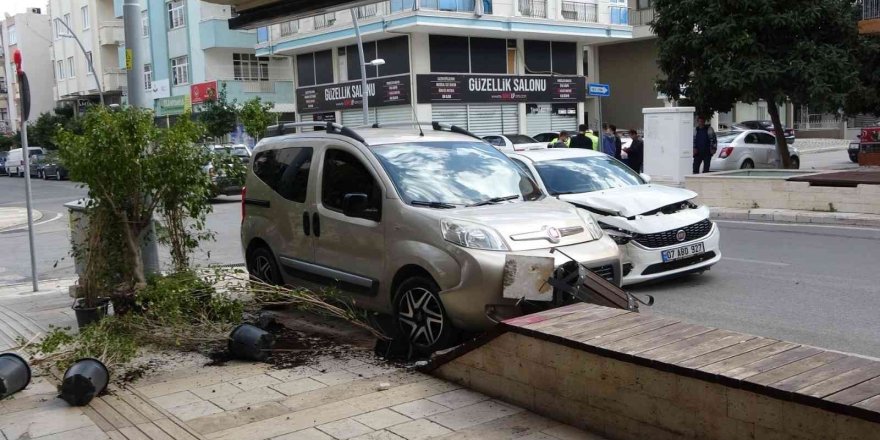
(276,91)
(215,33)
(641,17)
(111,33)
(115,80)
(870,20)
(533,8)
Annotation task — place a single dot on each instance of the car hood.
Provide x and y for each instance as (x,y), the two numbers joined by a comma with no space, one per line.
(524,225)
(630,201)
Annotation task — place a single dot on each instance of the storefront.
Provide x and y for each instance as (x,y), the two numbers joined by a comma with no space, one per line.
(491,104)
(170,108)
(388,98)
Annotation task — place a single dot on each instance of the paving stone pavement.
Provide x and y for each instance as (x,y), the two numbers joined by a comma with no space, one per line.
(25,314)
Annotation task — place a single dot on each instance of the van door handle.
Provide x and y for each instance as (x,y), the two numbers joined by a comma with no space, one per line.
(316,224)
(307,228)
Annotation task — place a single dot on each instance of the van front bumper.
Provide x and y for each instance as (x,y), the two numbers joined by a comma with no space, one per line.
(480,288)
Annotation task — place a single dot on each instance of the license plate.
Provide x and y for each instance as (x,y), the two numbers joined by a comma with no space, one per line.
(683,252)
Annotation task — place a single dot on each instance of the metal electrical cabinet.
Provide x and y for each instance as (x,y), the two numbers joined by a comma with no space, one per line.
(669,142)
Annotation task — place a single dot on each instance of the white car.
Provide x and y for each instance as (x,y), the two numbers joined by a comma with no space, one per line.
(514,142)
(660,231)
(749,149)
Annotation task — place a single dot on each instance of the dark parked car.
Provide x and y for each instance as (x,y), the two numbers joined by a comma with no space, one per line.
(764,125)
(46,166)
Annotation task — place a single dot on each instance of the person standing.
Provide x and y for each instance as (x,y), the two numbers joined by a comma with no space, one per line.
(595,139)
(618,143)
(581,140)
(608,143)
(636,152)
(705,145)
(562,141)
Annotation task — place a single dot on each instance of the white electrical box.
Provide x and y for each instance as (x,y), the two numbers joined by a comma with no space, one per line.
(669,143)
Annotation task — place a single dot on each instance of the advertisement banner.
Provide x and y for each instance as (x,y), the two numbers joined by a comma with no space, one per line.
(451,88)
(174,105)
(392,90)
(202,92)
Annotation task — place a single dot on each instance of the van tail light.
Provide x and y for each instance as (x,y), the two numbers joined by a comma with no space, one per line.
(725,152)
(243,197)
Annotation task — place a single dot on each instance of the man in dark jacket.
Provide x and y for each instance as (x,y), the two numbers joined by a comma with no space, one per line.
(618,143)
(705,145)
(581,140)
(636,152)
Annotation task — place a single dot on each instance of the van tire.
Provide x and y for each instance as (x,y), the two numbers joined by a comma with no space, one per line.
(420,315)
(262,266)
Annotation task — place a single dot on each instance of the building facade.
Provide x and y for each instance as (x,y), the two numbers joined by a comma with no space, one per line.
(95,24)
(5,123)
(30,34)
(489,66)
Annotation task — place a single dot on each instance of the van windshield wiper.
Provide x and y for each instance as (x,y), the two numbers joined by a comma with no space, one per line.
(494,200)
(435,205)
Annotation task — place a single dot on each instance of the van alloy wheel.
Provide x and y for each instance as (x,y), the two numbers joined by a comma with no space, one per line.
(421,317)
(261,266)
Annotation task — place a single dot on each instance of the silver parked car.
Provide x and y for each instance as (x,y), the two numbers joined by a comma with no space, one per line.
(749,149)
(415,226)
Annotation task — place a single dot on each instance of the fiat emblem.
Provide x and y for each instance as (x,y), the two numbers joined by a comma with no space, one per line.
(681,235)
(553,235)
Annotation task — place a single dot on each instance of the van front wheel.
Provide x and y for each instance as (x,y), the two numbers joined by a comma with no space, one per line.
(262,266)
(421,317)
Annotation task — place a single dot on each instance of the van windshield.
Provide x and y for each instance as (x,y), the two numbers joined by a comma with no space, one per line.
(454,173)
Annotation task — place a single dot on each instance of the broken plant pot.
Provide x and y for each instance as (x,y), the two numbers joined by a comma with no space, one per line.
(15,374)
(250,342)
(83,381)
(89,315)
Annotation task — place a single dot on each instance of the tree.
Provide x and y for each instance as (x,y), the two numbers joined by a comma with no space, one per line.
(131,168)
(42,132)
(218,115)
(722,51)
(255,117)
(866,97)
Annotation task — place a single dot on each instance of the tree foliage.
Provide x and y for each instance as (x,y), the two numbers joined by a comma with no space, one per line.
(255,117)
(218,115)
(718,52)
(42,132)
(866,97)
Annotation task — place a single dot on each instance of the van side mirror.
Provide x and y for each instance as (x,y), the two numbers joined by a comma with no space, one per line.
(645,177)
(355,205)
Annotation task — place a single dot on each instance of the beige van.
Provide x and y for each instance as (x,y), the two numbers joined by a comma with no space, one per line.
(416,225)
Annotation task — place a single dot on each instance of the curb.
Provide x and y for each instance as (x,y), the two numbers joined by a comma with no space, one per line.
(823,150)
(16,217)
(799,217)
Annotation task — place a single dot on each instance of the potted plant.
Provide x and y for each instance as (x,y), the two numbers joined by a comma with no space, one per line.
(92,290)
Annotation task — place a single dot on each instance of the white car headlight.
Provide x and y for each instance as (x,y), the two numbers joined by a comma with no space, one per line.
(592,227)
(472,235)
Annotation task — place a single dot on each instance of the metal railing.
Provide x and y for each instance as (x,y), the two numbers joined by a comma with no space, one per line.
(817,121)
(288,27)
(583,12)
(870,9)
(641,17)
(325,20)
(533,8)
(380,9)
(449,5)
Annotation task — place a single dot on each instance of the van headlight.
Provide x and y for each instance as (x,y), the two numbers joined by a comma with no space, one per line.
(591,224)
(620,236)
(472,235)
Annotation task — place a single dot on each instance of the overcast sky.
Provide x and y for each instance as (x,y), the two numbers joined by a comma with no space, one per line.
(13,7)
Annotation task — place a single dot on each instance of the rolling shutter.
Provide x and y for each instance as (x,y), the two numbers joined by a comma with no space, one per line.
(559,122)
(452,114)
(395,114)
(355,117)
(539,120)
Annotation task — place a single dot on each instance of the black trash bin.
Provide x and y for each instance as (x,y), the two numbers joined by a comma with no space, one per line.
(83,381)
(250,343)
(15,374)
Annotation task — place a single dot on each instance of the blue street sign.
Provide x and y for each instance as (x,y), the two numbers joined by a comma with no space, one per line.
(601,90)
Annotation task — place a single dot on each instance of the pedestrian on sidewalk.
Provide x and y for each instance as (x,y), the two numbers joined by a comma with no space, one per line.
(618,143)
(705,145)
(562,141)
(636,151)
(608,141)
(581,140)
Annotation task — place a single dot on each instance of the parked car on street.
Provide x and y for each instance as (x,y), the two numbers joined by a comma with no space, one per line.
(514,142)
(225,169)
(661,232)
(36,165)
(766,126)
(546,137)
(51,169)
(415,226)
(15,162)
(749,149)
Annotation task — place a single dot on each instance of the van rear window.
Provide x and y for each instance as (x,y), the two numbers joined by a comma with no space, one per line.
(286,171)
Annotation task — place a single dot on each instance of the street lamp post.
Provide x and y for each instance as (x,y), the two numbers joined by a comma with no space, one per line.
(70,34)
(377,62)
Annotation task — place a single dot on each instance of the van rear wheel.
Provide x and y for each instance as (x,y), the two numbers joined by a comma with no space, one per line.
(262,266)
(420,315)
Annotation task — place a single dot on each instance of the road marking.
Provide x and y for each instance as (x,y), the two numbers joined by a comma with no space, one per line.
(746,260)
(39,223)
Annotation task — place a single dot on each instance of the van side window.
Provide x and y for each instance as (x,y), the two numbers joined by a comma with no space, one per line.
(286,171)
(523,167)
(345,174)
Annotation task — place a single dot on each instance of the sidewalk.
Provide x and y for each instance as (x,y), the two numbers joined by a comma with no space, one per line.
(335,394)
(793,216)
(12,217)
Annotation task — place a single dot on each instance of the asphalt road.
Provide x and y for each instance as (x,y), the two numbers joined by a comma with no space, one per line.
(809,284)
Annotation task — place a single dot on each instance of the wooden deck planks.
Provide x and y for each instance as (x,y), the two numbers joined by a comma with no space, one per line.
(820,374)
(748,358)
(794,368)
(859,393)
(727,353)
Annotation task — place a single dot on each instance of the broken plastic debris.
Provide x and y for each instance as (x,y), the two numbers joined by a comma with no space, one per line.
(384,386)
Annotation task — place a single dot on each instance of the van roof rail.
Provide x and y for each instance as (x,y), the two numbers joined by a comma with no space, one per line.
(438,126)
(329,127)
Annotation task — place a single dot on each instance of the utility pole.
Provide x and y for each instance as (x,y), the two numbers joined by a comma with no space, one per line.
(365,95)
(25,93)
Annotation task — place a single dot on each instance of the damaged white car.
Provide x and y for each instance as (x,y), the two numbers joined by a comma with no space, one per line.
(661,232)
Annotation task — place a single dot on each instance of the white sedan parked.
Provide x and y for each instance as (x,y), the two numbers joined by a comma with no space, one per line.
(514,142)
(661,233)
(749,149)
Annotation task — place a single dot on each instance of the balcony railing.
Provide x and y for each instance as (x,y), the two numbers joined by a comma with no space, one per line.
(533,8)
(583,12)
(641,17)
(111,32)
(326,20)
(380,9)
(870,9)
(449,5)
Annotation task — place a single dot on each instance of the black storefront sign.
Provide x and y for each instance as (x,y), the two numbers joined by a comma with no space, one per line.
(392,90)
(440,88)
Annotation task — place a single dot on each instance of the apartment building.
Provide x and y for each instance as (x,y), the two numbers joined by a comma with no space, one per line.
(5,123)
(492,66)
(78,73)
(190,54)
(29,33)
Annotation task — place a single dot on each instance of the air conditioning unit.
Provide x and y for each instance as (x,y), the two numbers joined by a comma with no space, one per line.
(35,10)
